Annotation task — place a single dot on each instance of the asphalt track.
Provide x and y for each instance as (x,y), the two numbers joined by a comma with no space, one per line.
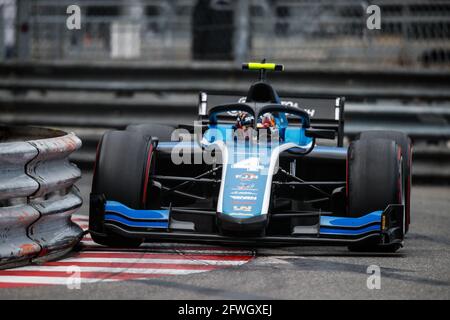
(420,270)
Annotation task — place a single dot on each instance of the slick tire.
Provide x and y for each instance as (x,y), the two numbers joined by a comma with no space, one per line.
(121,174)
(374,180)
(405,143)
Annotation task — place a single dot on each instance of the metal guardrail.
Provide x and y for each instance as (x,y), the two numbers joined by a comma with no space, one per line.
(420,120)
(37,195)
(90,117)
(91,98)
(421,108)
(129,78)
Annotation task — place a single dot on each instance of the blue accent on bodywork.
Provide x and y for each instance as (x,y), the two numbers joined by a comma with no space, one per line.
(141,224)
(114,206)
(172,144)
(296,135)
(330,231)
(351,226)
(190,144)
(118,212)
(330,150)
(330,221)
(245,180)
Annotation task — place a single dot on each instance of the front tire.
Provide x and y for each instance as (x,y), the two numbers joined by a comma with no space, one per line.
(121,174)
(374,182)
(405,144)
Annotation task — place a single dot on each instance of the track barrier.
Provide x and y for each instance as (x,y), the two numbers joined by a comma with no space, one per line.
(37,194)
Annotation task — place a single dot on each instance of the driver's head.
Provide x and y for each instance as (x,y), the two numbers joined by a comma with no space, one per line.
(244,120)
(266,121)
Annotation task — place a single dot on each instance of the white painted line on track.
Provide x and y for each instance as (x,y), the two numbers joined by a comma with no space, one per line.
(99,263)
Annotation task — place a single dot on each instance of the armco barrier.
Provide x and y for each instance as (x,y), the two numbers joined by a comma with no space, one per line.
(129,78)
(37,194)
(92,97)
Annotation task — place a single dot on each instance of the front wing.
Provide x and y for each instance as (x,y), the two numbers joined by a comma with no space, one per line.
(383,227)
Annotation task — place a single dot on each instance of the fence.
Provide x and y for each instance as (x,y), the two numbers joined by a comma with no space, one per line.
(37,195)
(414,33)
(7,28)
(2,34)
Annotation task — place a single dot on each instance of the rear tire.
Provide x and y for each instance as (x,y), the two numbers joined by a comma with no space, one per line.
(162,132)
(374,182)
(120,175)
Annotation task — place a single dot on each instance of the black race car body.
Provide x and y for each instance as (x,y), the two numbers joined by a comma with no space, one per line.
(270,177)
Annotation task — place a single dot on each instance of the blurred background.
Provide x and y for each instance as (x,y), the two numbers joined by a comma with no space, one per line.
(414,33)
(146,60)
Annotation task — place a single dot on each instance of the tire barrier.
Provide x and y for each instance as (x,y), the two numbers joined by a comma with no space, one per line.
(37,195)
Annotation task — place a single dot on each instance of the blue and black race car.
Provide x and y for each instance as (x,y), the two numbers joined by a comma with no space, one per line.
(253,169)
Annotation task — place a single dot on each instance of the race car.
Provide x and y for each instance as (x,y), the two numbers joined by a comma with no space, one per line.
(253,169)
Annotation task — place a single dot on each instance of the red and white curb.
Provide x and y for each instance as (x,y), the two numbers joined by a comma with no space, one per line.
(96,263)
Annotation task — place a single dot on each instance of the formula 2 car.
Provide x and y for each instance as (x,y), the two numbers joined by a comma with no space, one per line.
(254,169)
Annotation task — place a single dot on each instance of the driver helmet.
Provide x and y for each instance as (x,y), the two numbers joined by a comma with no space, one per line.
(244,120)
(267,121)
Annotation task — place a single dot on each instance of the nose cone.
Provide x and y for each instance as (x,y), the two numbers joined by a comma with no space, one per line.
(254,226)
